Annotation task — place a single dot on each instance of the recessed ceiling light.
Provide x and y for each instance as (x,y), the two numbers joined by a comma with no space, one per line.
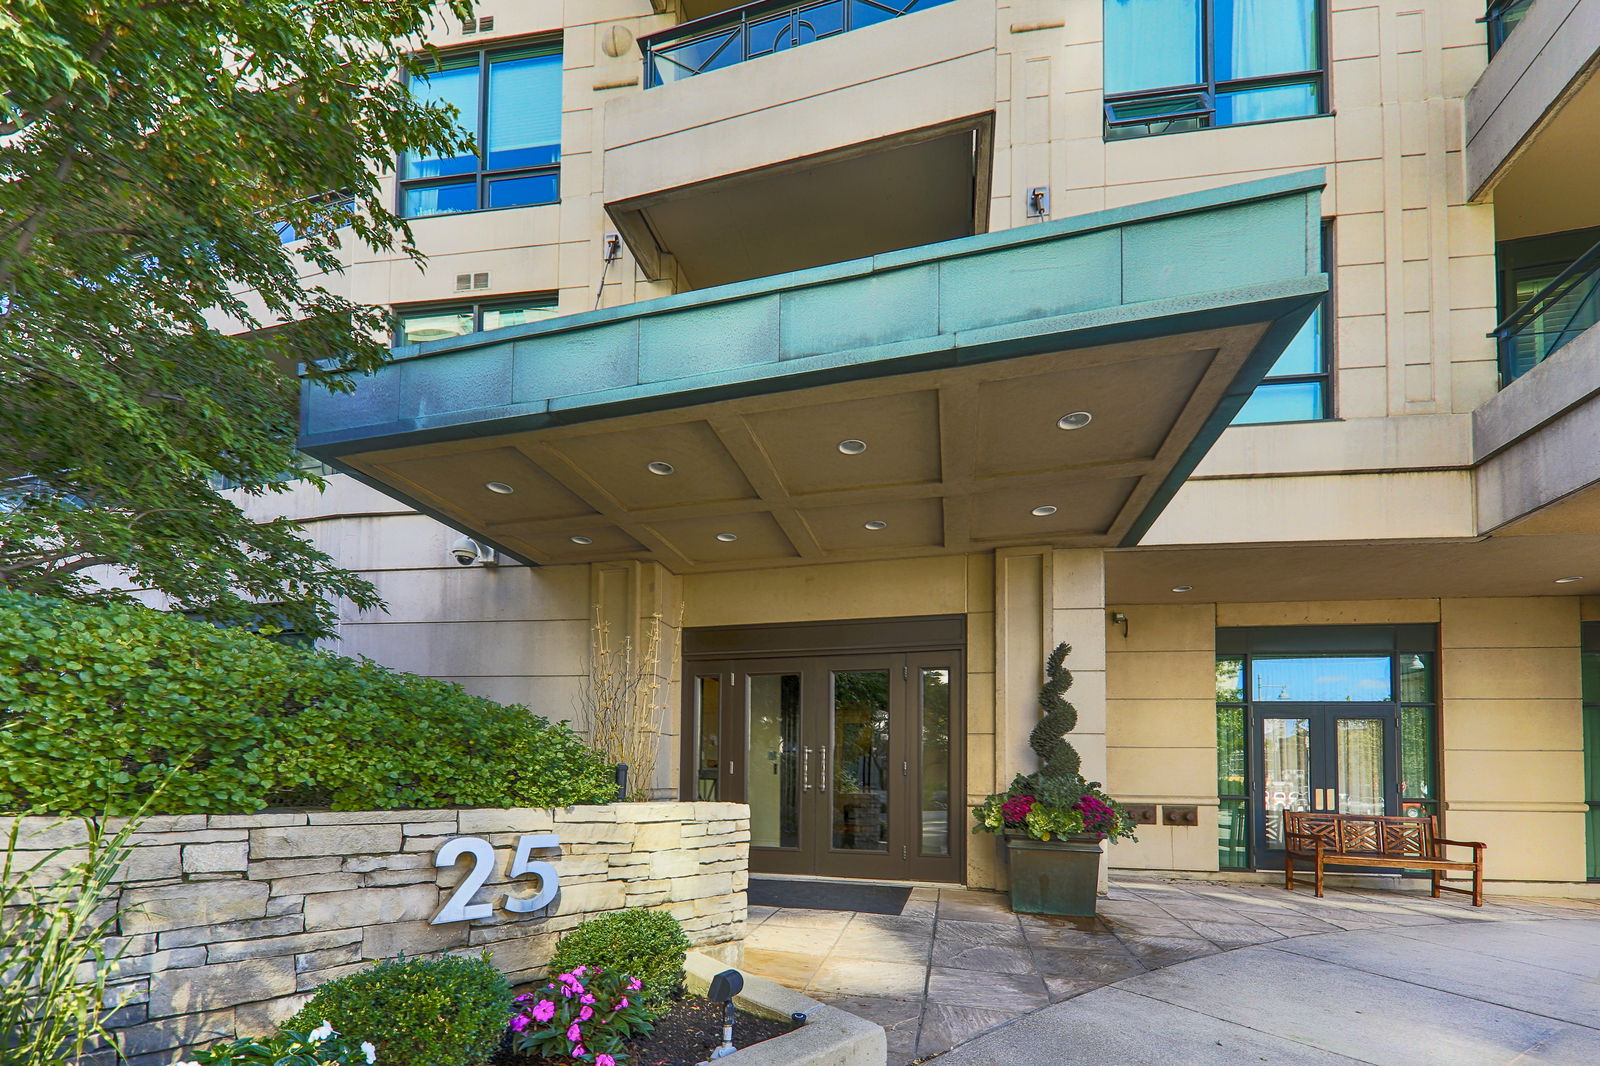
(499,486)
(727,538)
(1044,510)
(1183,588)
(852,446)
(876,525)
(1074,420)
(1568,580)
(581,540)
(658,467)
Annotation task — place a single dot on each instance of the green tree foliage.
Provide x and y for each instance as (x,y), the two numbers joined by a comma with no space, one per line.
(101,704)
(148,152)
(1057,758)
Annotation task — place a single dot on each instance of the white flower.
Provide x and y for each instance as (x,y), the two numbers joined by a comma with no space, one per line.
(369,1051)
(322,1032)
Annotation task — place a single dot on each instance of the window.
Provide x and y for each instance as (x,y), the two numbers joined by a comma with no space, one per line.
(1501,18)
(511,103)
(417,325)
(1298,387)
(1175,65)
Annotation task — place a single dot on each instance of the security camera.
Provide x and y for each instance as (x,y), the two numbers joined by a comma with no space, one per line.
(467,551)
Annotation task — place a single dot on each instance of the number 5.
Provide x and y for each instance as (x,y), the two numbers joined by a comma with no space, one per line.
(522,864)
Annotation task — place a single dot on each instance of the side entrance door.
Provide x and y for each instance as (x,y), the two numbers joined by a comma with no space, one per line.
(1340,757)
(850,763)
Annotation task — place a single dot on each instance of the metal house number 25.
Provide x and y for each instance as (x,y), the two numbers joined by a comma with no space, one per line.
(458,908)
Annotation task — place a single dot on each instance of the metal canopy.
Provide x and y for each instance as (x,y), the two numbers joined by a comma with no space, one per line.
(953,363)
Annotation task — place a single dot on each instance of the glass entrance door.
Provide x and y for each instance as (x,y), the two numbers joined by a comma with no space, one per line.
(1321,757)
(850,764)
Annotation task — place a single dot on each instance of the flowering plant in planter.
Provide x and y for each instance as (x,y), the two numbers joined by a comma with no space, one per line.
(1041,808)
(582,1016)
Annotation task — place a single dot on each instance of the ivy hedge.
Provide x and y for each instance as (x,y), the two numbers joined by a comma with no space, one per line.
(101,703)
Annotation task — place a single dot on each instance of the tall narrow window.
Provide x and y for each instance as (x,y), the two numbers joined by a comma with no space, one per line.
(1175,65)
(511,103)
(1233,798)
(1298,387)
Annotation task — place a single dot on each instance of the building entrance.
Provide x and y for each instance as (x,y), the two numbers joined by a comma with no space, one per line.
(1316,718)
(849,760)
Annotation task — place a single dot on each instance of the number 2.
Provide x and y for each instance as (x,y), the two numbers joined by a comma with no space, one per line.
(456,908)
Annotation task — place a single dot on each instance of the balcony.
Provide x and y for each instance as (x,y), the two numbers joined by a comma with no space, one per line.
(764,28)
(1555,315)
(858,143)
(1531,119)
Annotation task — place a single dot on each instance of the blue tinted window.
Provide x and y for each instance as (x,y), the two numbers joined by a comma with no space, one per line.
(1152,44)
(442,199)
(1296,401)
(1242,55)
(1259,38)
(511,104)
(1321,678)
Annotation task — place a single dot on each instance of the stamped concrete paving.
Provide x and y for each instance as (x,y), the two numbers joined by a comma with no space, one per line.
(958,964)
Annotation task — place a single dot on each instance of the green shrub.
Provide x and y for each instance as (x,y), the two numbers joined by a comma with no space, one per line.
(416,1012)
(101,703)
(649,945)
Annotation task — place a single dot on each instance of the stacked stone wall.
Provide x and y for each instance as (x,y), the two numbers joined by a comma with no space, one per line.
(230,921)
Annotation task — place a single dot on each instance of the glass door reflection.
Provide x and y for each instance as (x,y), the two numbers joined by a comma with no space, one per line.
(773,760)
(1285,773)
(857,774)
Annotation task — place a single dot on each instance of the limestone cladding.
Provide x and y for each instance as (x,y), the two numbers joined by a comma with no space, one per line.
(230,921)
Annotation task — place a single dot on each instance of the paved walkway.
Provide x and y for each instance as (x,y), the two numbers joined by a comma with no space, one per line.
(1325,980)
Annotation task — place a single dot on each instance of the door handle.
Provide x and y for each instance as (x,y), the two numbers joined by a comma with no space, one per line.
(805,770)
(822,784)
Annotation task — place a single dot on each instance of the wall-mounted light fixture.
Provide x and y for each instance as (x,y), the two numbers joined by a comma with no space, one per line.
(1119,619)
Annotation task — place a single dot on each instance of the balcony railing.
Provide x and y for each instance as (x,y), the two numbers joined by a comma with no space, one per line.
(1556,314)
(763,28)
(1501,18)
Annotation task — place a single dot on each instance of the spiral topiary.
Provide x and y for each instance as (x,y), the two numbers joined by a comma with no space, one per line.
(1057,758)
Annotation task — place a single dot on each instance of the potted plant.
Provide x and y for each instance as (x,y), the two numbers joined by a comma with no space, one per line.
(1053,820)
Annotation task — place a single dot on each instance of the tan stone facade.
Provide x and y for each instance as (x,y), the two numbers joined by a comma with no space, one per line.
(1431,495)
(232,920)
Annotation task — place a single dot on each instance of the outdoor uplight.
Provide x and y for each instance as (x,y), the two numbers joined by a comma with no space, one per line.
(724,986)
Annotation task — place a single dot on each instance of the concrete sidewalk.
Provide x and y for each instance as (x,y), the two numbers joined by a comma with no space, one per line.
(1489,993)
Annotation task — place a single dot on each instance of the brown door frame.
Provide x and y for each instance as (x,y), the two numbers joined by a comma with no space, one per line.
(815,651)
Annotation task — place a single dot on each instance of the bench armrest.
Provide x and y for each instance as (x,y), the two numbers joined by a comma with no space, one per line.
(1460,843)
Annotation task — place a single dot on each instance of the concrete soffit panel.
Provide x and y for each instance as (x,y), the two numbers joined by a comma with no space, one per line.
(712,430)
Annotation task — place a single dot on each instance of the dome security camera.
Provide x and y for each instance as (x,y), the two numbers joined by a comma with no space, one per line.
(467,552)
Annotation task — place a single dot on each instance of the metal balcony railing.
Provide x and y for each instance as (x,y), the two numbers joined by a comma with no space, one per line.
(1501,18)
(1556,314)
(759,29)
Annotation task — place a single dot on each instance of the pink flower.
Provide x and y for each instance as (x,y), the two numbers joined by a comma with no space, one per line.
(622,1004)
(585,1014)
(588,997)
(634,984)
(544,1010)
(574,1033)
(519,1023)
(603,1059)
(581,970)
(579,1052)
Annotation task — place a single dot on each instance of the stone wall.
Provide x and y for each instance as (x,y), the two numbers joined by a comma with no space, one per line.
(232,920)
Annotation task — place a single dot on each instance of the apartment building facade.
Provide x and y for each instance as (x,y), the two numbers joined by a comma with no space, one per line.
(858,352)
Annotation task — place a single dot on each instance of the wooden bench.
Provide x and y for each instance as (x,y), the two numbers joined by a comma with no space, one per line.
(1373,840)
